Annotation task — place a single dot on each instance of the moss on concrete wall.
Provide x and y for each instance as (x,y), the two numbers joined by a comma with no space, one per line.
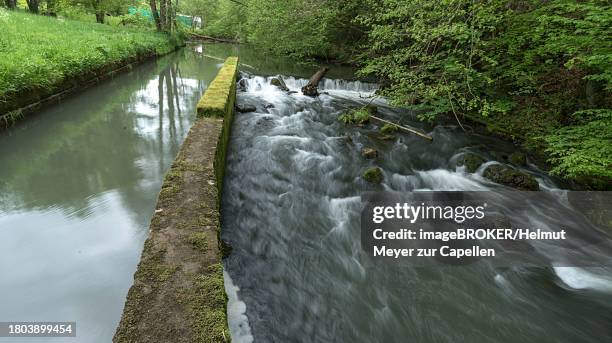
(219,101)
(178,293)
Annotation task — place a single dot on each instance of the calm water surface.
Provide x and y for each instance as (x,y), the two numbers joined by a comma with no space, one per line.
(78,185)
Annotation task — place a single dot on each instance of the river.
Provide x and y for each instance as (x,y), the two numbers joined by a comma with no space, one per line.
(291,211)
(79,180)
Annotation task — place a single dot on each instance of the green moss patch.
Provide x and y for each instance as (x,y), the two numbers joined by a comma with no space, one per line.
(208,303)
(215,101)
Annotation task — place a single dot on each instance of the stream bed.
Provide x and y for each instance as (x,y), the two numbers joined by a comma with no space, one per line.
(291,211)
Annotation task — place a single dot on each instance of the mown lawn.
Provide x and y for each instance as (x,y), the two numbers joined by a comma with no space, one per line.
(38,53)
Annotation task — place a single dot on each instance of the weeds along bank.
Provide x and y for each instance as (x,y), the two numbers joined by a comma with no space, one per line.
(41,56)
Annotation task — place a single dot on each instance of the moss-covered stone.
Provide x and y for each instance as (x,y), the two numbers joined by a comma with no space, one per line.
(517,158)
(470,161)
(511,177)
(373,175)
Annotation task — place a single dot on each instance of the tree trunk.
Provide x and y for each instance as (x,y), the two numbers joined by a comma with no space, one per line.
(100,17)
(33,5)
(311,89)
(153,5)
(162,14)
(169,16)
(10,4)
(51,8)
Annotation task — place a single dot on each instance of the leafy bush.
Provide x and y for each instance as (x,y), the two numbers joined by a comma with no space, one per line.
(584,149)
(526,68)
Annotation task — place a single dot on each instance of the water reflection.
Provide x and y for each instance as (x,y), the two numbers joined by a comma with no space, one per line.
(78,184)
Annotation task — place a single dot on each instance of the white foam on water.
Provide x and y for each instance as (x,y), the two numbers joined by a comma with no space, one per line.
(340,211)
(262,85)
(435,179)
(237,319)
(579,278)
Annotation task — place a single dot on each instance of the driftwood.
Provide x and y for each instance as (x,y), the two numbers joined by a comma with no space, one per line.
(214,39)
(311,89)
(407,129)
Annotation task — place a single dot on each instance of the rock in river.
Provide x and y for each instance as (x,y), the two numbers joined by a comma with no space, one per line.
(373,175)
(511,177)
(369,153)
(245,108)
(278,82)
(517,158)
(470,161)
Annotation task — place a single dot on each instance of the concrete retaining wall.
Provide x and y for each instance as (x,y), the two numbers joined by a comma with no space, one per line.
(178,293)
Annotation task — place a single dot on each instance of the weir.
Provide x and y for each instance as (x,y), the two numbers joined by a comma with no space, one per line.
(178,293)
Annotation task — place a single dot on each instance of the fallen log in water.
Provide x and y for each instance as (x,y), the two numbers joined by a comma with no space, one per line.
(311,89)
(404,128)
(214,39)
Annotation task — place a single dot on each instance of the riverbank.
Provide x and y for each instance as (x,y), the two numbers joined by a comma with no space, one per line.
(43,59)
(180,276)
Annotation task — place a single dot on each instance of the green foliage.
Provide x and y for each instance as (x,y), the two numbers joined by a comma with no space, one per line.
(583,149)
(225,19)
(355,116)
(44,51)
(522,67)
(388,128)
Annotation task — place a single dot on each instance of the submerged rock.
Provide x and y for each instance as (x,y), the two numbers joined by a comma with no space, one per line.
(278,82)
(517,158)
(471,162)
(499,156)
(373,175)
(369,153)
(269,106)
(242,108)
(511,177)
(242,85)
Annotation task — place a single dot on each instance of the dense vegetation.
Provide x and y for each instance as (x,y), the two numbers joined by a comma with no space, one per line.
(537,71)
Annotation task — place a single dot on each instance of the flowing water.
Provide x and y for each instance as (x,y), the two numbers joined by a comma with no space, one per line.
(78,185)
(291,211)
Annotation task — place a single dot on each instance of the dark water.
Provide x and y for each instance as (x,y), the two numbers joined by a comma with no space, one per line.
(78,185)
(291,210)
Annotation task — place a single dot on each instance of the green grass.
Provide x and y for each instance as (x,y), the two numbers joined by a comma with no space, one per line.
(38,53)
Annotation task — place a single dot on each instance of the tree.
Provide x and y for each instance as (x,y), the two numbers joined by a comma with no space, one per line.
(33,5)
(51,7)
(10,4)
(153,5)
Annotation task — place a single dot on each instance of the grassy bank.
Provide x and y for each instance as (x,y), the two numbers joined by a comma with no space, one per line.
(42,55)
